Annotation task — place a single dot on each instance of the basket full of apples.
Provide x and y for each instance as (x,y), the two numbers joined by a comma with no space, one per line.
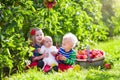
(87,58)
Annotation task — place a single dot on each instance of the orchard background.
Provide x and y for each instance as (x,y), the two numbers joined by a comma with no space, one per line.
(91,21)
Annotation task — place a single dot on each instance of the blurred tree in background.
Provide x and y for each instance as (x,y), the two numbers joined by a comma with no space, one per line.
(111,16)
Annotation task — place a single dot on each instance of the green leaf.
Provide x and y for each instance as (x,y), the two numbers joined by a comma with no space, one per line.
(8,52)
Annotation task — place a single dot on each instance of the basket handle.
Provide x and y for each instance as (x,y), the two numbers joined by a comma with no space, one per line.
(88,53)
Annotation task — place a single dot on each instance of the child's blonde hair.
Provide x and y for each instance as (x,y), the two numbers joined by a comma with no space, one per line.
(32,34)
(48,37)
(72,38)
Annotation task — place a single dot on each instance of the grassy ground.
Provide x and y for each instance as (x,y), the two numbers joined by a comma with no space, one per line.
(112,50)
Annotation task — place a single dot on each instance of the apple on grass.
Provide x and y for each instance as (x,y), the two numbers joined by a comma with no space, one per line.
(107,65)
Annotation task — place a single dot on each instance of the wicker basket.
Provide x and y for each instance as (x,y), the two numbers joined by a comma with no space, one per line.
(91,62)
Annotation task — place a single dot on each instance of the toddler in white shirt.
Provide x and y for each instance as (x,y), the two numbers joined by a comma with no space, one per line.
(50,51)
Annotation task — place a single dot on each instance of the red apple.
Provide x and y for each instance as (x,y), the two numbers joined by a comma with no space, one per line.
(84,52)
(81,57)
(102,52)
(79,51)
(98,55)
(85,56)
(92,56)
(77,56)
(107,65)
(93,52)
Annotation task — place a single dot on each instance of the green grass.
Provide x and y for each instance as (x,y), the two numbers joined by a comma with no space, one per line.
(112,50)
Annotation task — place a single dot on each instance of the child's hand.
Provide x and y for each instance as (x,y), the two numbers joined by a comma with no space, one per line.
(61,57)
(53,53)
(38,58)
(39,50)
(57,58)
(46,54)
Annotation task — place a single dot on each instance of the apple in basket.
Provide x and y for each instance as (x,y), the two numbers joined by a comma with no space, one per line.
(82,54)
(83,57)
(92,56)
(96,53)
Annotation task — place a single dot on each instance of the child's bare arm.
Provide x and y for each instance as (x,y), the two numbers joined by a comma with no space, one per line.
(38,57)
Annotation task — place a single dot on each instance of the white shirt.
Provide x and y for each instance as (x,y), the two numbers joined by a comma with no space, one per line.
(50,60)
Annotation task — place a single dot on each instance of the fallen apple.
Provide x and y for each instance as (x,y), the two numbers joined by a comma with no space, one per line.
(107,65)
